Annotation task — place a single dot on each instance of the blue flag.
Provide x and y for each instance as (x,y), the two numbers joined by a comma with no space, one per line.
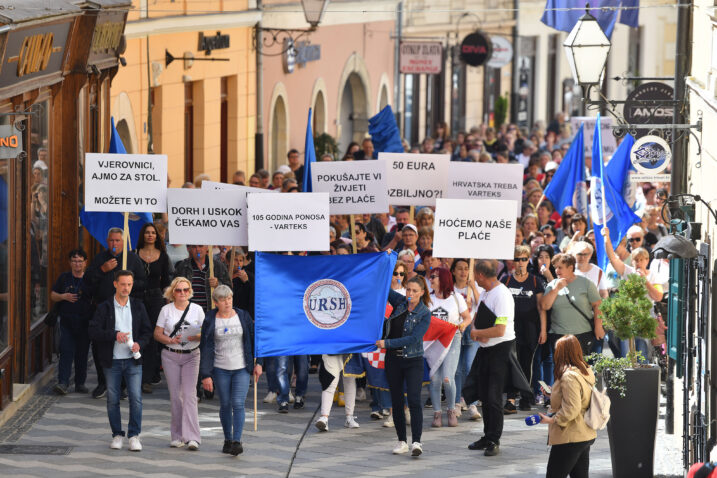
(98,223)
(618,171)
(309,156)
(565,19)
(567,187)
(320,304)
(607,207)
(384,132)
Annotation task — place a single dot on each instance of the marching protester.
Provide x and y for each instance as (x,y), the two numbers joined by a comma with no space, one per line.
(569,436)
(180,360)
(120,328)
(227,362)
(196,269)
(365,241)
(242,283)
(74,307)
(403,339)
(100,277)
(332,367)
(154,260)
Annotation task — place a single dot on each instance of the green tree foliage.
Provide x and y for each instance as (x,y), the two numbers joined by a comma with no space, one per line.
(500,111)
(325,143)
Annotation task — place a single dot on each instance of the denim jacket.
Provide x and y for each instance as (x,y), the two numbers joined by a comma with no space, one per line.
(414,327)
(206,345)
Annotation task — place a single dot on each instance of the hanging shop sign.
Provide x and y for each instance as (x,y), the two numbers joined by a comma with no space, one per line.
(10,142)
(421,57)
(107,38)
(502,52)
(213,42)
(642,106)
(299,54)
(651,156)
(476,49)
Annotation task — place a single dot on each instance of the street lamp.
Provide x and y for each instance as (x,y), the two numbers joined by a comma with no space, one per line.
(314,11)
(288,37)
(587,48)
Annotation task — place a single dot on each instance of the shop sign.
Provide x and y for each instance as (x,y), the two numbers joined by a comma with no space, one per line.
(215,42)
(502,52)
(34,52)
(651,156)
(107,36)
(299,53)
(476,49)
(10,142)
(642,106)
(417,58)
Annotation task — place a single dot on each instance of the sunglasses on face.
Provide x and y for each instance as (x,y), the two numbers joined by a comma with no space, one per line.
(182,291)
(634,239)
(401,274)
(583,254)
(521,259)
(434,277)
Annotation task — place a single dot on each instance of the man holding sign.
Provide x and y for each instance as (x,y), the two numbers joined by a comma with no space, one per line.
(196,269)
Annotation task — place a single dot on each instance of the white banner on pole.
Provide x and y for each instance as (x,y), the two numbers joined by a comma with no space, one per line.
(482,229)
(415,179)
(609,144)
(206,216)
(354,187)
(125,182)
(485,181)
(288,222)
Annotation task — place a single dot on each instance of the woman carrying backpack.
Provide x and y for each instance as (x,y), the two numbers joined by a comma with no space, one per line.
(568,434)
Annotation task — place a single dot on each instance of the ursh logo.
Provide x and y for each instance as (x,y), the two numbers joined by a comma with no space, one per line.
(327,304)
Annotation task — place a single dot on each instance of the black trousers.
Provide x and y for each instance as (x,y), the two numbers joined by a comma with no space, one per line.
(586,340)
(494,370)
(406,372)
(571,459)
(151,354)
(525,353)
(98,368)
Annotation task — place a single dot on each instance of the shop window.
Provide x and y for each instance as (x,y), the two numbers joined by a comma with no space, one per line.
(39,209)
(552,83)
(458,93)
(4,246)
(410,101)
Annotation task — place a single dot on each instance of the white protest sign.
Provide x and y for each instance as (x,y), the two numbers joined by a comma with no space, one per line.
(206,216)
(485,181)
(126,182)
(354,187)
(482,229)
(609,144)
(288,222)
(415,179)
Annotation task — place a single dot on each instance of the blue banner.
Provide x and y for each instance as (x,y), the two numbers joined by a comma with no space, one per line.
(385,136)
(320,304)
(564,14)
(309,156)
(568,187)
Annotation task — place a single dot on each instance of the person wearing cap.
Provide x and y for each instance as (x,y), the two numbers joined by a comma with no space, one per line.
(409,240)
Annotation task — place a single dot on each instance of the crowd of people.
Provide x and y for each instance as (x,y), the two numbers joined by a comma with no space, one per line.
(517,322)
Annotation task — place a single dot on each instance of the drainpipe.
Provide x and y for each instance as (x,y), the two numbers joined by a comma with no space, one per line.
(259,134)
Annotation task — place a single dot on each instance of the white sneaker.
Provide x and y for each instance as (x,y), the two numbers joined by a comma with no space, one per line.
(416,449)
(351,422)
(322,424)
(193,445)
(291,398)
(474,413)
(270,397)
(361,394)
(388,423)
(117,441)
(408,416)
(176,444)
(402,447)
(134,444)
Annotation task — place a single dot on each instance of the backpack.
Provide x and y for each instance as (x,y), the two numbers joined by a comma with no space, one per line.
(598,413)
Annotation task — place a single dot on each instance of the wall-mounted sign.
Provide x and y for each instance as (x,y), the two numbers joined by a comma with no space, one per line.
(642,106)
(651,156)
(213,42)
(299,53)
(107,36)
(421,57)
(10,142)
(476,49)
(502,52)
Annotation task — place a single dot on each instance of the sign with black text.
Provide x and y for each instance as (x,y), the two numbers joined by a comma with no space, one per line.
(126,182)
(485,181)
(474,229)
(415,179)
(206,216)
(354,187)
(288,222)
(421,57)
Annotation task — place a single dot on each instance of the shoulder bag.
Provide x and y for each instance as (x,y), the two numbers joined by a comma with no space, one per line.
(180,322)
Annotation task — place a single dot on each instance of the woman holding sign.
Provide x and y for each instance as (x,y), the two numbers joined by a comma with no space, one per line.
(403,339)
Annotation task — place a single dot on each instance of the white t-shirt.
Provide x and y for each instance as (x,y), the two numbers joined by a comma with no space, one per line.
(400,290)
(449,309)
(661,269)
(464,292)
(170,315)
(229,344)
(500,301)
(596,276)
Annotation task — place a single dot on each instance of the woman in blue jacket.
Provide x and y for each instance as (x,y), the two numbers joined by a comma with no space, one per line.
(227,359)
(403,339)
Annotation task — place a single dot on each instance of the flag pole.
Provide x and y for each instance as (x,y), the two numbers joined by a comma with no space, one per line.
(471,267)
(411,213)
(256,383)
(211,272)
(125,237)
(353,232)
(231,264)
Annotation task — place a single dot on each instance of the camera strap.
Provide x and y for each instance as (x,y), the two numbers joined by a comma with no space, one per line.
(181,321)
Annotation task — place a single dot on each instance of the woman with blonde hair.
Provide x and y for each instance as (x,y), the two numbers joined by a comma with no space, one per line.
(178,327)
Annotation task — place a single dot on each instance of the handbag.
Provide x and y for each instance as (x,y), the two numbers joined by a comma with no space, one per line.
(52,315)
(180,322)
(591,320)
(598,413)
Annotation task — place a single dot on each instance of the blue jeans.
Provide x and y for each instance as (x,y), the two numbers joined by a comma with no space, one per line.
(542,367)
(283,376)
(132,374)
(270,372)
(598,345)
(447,370)
(465,361)
(641,345)
(381,399)
(74,347)
(232,387)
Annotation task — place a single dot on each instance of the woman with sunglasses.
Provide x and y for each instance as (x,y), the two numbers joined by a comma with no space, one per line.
(399,278)
(452,308)
(364,239)
(180,360)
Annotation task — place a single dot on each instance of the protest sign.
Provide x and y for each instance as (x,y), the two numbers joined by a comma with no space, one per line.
(415,179)
(354,187)
(125,182)
(469,228)
(206,216)
(609,144)
(288,222)
(485,181)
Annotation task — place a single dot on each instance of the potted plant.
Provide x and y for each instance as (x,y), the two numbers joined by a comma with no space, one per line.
(632,385)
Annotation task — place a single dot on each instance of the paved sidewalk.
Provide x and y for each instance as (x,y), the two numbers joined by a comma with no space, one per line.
(80,422)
